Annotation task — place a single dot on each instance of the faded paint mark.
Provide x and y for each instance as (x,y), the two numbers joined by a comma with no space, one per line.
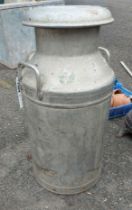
(6,84)
(66,77)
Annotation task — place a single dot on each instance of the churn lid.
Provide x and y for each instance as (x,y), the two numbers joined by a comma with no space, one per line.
(68,16)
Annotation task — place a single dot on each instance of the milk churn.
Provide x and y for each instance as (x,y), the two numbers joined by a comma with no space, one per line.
(67,86)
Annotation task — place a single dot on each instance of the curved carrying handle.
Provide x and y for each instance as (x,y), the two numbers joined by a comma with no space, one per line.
(106,51)
(37,75)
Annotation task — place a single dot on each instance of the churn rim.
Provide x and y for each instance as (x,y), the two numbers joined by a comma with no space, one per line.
(68,16)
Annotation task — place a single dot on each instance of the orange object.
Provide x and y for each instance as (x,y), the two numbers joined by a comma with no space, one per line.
(119,98)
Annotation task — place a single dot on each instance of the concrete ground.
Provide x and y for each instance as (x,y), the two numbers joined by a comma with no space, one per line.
(18,188)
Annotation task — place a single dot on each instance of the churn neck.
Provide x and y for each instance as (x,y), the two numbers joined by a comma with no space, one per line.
(67,30)
(67,41)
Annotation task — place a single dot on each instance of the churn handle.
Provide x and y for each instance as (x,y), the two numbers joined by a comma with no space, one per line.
(106,51)
(37,75)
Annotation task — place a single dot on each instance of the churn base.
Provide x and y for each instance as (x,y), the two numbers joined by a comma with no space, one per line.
(66,190)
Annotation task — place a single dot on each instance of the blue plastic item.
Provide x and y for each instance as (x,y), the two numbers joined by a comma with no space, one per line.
(120,111)
(118,85)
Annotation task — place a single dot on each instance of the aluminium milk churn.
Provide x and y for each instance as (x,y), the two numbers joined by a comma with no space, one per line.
(67,85)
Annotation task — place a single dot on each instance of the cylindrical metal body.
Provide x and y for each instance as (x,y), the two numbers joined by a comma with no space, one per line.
(66,115)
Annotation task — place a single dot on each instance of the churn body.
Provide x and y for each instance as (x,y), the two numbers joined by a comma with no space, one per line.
(67,87)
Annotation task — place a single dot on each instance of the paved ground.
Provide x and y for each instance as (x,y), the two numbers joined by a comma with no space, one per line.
(18,188)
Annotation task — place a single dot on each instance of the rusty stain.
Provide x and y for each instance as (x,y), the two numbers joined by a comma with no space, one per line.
(94,12)
(29,156)
(5,84)
(49,172)
(46,171)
